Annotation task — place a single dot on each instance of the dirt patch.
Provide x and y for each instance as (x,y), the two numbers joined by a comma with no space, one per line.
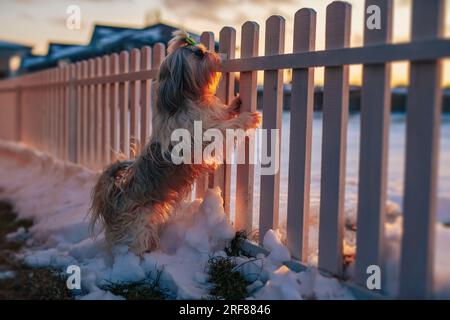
(18,281)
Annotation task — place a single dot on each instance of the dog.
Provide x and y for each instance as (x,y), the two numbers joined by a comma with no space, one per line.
(133,199)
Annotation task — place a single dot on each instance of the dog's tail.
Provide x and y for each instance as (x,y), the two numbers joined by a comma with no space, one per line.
(104,196)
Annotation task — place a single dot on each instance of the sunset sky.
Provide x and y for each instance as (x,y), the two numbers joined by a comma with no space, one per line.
(36,22)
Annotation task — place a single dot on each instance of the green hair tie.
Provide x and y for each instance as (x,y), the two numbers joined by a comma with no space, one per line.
(190,41)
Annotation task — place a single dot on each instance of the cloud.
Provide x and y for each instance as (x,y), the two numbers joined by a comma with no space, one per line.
(212,10)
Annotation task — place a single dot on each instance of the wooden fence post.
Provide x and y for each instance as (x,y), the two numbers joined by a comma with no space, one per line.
(135,88)
(302,107)
(222,176)
(61,111)
(272,110)
(91,120)
(375,119)
(106,115)
(66,120)
(114,111)
(207,39)
(146,97)
(84,116)
(53,103)
(159,52)
(98,111)
(422,154)
(334,142)
(73,114)
(124,61)
(245,172)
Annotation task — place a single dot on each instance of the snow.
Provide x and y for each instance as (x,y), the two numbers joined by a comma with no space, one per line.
(289,285)
(56,196)
(278,252)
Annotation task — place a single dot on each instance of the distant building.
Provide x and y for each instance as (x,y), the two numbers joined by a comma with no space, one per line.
(104,40)
(11,55)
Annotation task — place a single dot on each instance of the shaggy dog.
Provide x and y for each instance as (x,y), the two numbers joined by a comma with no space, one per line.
(133,198)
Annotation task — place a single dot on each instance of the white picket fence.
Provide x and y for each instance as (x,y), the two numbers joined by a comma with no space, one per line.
(69,111)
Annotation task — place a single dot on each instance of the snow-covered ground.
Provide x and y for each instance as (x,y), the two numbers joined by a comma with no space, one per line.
(56,196)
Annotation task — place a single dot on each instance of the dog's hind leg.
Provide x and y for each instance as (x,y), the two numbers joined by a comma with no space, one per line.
(145,230)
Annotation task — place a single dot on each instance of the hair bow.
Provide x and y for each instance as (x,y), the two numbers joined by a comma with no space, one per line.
(190,41)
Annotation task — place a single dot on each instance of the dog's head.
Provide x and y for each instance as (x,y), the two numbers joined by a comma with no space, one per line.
(189,72)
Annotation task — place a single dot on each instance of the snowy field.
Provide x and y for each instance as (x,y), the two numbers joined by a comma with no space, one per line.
(56,196)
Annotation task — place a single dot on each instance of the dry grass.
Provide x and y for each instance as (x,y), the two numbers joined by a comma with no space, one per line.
(234,247)
(27,283)
(227,283)
(143,290)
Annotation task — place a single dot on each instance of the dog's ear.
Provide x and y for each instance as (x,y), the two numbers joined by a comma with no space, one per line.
(178,40)
(174,85)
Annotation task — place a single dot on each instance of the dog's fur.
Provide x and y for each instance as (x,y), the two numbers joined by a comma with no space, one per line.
(133,198)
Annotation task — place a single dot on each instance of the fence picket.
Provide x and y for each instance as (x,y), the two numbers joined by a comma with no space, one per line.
(247,91)
(114,110)
(207,39)
(58,112)
(272,108)
(222,176)
(48,110)
(334,138)
(91,117)
(79,75)
(135,87)
(72,115)
(43,91)
(62,113)
(422,154)
(55,109)
(106,115)
(159,52)
(84,116)
(375,119)
(66,99)
(146,96)
(302,107)
(53,149)
(124,63)
(98,110)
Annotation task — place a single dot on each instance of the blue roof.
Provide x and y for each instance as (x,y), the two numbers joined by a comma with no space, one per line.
(104,40)
(5,45)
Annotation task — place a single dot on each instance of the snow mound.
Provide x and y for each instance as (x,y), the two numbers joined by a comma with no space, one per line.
(56,196)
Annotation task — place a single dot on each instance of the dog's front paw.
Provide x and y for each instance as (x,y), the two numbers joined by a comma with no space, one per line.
(250,120)
(235,104)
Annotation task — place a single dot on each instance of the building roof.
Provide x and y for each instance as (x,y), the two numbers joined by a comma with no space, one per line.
(55,47)
(104,40)
(11,47)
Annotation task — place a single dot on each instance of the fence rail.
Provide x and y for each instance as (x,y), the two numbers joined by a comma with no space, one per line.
(89,111)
